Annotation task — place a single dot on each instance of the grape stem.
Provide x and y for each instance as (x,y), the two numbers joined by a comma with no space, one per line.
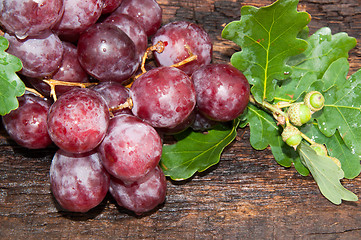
(53,83)
(159,48)
(191,58)
(127,104)
(34,91)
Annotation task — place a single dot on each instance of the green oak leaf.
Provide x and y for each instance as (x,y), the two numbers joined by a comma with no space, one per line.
(11,85)
(350,161)
(265,132)
(268,38)
(263,128)
(303,34)
(342,110)
(323,51)
(292,89)
(195,151)
(336,72)
(326,174)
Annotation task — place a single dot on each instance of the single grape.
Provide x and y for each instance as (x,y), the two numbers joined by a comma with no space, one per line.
(41,56)
(110,6)
(143,195)
(27,125)
(202,123)
(78,182)
(130,149)
(78,120)
(132,28)
(107,53)
(147,12)
(164,97)
(222,91)
(114,94)
(78,16)
(179,38)
(28,17)
(180,127)
(69,71)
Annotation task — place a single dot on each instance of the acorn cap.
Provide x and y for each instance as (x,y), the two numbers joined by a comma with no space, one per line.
(291,135)
(314,100)
(299,114)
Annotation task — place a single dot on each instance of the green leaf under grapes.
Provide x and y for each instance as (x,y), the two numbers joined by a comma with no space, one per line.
(342,110)
(350,161)
(326,174)
(11,85)
(268,38)
(195,151)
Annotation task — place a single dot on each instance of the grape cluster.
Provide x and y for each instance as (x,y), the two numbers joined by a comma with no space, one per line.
(109,134)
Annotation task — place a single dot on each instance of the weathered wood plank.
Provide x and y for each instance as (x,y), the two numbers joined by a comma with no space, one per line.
(246,195)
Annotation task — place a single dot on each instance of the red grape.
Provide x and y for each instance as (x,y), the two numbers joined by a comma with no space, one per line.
(78,182)
(69,71)
(78,120)
(176,36)
(41,56)
(110,5)
(147,12)
(107,53)
(222,91)
(180,127)
(143,195)
(130,149)
(27,125)
(132,28)
(114,94)
(78,16)
(28,17)
(201,123)
(164,97)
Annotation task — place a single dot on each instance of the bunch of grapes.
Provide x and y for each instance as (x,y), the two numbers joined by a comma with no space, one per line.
(109,131)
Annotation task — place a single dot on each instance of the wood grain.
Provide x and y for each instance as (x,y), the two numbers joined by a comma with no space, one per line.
(246,196)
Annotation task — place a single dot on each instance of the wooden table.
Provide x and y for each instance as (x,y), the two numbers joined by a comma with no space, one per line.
(246,196)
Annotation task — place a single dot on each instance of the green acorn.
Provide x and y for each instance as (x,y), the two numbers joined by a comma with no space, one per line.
(320,149)
(314,100)
(299,114)
(292,136)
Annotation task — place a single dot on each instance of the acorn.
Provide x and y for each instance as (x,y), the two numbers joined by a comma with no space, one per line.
(299,114)
(291,136)
(314,100)
(320,149)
